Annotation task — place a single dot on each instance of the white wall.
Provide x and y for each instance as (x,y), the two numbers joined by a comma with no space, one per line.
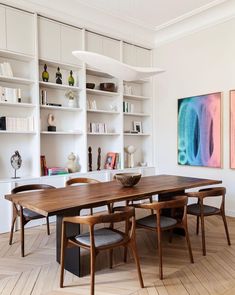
(197,64)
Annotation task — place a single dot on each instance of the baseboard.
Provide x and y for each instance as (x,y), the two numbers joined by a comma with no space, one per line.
(230,213)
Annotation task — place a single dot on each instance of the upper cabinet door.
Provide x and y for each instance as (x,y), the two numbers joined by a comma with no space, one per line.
(129,54)
(3,44)
(143,57)
(49,39)
(71,39)
(20,31)
(94,43)
(111,48)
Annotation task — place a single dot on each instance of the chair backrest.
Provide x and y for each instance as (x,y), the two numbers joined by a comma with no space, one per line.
(79,180)
(31,187)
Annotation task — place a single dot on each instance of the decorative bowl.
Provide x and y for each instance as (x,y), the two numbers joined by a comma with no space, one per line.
(107,87)
(90,85)
(127,179)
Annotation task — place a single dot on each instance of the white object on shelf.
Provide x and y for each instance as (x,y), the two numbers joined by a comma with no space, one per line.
(116,68)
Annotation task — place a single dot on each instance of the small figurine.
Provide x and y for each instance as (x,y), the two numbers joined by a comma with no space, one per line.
(51,122)
(72,164)
(89,159)
(45,74)
(58,76)
(99,159)
(130,149)
(71,79)
(16,162)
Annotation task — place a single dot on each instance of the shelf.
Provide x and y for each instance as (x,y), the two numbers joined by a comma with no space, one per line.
(136,134)
(136,97)
(136,114)
(16,56)
(22,81)
(62,132)
(58,86)
(140,81)
(101,92)
(17,104)
(61,108)
(97,73)
(16,132)
(103,112)
(65,66)
(109,134)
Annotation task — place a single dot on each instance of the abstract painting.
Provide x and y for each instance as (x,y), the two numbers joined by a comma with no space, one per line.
(232,129)
(199,130)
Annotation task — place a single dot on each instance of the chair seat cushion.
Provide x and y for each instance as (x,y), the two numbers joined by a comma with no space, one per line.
(31,214)
(151,221)
(195,209)
(103,237)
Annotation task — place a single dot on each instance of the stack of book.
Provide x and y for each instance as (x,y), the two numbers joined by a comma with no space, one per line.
(128,107)
(97,128)
(17,124)
(57,171)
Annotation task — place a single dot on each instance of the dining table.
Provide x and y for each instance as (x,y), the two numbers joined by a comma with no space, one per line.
(68,201)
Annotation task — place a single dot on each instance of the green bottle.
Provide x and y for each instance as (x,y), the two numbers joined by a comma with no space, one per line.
(45,74)
(71,79)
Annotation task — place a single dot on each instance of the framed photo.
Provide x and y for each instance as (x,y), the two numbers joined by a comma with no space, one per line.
(137,126)
(199,130)
(110,161)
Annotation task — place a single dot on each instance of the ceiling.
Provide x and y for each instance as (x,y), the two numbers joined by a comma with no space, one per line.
(152,14)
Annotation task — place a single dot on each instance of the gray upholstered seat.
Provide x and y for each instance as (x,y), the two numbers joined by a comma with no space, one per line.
(195,209)
(31,214)
(151,221)
(103,237)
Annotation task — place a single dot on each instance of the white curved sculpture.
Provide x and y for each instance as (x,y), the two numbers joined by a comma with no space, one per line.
(114,67)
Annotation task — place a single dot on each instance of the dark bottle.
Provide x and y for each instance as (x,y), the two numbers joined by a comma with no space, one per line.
(71,79)
(58,76)
(45,74)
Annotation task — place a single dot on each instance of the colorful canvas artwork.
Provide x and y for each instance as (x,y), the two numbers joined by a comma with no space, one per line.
(199,130)
(232,129)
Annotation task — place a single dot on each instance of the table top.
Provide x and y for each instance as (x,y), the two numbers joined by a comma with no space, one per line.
(56,201)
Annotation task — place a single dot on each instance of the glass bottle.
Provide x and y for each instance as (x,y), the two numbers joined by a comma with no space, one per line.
(71,79)
(45,74)
(58,76)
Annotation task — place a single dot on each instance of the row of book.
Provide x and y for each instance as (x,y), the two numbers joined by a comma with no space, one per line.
(128,107)
(17,124)
(97,128)
(52,170)
(5,69)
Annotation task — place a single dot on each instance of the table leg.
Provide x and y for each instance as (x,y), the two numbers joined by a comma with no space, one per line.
(72,255)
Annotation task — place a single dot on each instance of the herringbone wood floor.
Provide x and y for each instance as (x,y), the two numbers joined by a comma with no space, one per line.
(38,272)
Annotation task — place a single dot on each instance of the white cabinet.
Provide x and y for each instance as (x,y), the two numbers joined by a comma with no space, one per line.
(111,48)
(49,39)
(2,27)
(71,39)
(129,56)
(136,56)
(20,31)
(94,43)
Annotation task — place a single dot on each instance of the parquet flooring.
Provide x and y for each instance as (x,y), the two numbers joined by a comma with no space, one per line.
(38,272)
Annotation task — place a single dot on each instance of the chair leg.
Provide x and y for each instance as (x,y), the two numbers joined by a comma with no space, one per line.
(125,254)
(22,224)
(62,254)
(170,235)
(137,261)
(92,263)
(226,227)
(48,226)
(189,244)
(159,242)
(203,236)
(12,229)
(197,228)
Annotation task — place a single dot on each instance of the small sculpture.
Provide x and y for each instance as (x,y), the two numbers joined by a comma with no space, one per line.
(51,122)
(72,163)
(45,74)
(89,159)
(16,162)
(130,149)
(71,79)
(58,76)
(99,159)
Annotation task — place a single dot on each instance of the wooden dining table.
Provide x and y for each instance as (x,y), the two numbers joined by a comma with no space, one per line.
(68,201)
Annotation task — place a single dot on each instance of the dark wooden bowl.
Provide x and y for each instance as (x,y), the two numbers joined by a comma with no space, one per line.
(90,85)
(107,87)
(127,179)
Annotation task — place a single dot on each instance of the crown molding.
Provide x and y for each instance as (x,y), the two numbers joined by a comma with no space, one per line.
(210,15)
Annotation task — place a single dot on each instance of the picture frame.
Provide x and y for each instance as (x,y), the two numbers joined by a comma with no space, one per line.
(110,161)
(137,126)
(200,130)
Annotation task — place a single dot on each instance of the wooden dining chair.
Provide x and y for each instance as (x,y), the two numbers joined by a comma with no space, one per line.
(200,210)
(27,214)
(159,223)
(97,240)
(79,181)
